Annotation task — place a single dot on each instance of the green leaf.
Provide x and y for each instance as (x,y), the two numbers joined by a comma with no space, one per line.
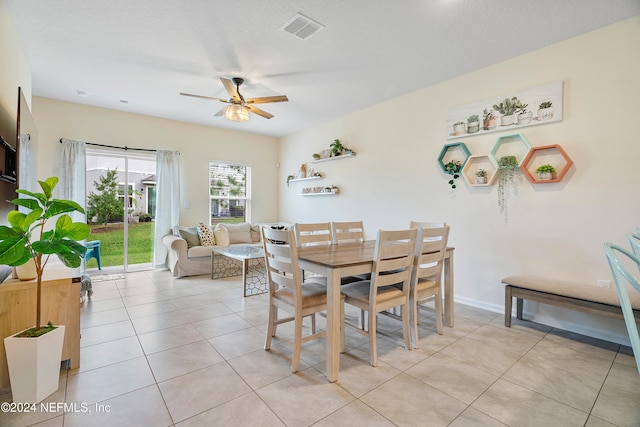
(47,246)
(39,196)
(57,207)
(8,233)
(31,217)
(72,230)
(12,251)
(48,185)
(70,259)
(27,203)
(16,220)
(71,246)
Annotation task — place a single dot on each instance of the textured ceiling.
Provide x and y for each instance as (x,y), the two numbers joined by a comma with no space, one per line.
(147,51)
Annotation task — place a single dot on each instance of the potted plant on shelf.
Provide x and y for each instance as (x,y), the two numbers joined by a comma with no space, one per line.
(545,110)
(545,172)
(316,156)
(481,176)
(458,128)
(336,147)
(507,168)
(489,119)
(524,115)
(453,167)
(507,108)
(473,124)
(33,355)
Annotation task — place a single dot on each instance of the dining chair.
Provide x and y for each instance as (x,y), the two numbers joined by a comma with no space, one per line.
(347,232)
(426,277)
(388,287)
(287,292)
(313,234)
(617,256)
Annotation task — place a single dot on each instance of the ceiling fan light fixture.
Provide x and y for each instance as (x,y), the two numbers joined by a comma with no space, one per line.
(237,113)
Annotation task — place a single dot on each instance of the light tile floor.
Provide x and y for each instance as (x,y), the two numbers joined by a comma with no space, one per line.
(158,351)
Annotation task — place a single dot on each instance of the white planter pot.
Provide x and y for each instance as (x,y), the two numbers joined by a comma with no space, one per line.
(458,129)
(524,118)
(473,127)
(545,176)
(27,271)
(481,179)
(545,113)
(508,120)
(34,365)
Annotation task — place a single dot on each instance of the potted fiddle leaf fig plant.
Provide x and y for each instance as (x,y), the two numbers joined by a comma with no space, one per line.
(33,355)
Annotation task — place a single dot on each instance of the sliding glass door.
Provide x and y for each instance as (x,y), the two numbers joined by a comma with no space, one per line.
(121,209)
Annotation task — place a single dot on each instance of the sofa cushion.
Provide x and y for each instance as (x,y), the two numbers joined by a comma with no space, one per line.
(222,235)
(199,251)
(239,233)
(207,237)
(189,234)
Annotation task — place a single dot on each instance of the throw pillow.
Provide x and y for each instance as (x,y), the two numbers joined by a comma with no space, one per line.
(222,235)
(190,234)
(255,233)
(239,233)
(206,235)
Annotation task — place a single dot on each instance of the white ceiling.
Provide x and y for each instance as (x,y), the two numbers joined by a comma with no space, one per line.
(147,51)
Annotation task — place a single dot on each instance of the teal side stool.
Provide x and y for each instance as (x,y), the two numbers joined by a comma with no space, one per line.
(93,251)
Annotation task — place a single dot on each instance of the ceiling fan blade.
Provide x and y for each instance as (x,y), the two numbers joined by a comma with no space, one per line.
(221,112)
(267,99)
(259,112)
(203,97)
(231,88)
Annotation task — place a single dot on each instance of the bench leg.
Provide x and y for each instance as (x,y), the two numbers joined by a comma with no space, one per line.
(519,303)
(507,306)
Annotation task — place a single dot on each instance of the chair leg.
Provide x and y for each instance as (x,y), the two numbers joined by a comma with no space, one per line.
(438,302)
(373,352)
(406,325)
(297,344)
(342,326)
(414,321)
(271,327)
(313,323)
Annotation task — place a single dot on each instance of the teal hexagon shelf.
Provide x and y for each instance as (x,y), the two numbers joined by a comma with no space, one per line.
(511,145)
(455,151)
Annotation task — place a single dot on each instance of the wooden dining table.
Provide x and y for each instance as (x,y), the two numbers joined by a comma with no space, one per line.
(349,259)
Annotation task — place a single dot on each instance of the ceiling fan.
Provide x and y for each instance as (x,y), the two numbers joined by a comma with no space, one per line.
(240,107)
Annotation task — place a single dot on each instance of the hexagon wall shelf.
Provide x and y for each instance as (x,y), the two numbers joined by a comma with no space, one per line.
(453,151)
(474,163)
(511,145)
(546,154)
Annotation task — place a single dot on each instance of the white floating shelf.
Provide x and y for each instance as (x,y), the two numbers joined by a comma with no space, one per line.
(305,179)
(324,193)
(342,156)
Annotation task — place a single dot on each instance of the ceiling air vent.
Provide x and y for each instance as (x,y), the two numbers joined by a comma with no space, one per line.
(302,27)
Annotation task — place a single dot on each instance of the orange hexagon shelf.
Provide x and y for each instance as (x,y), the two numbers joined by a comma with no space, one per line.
(553,155)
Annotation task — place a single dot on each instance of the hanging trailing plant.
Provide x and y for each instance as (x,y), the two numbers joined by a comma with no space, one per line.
(507,168)
(453,168)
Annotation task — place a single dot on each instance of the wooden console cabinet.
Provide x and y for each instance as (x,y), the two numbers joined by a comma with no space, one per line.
(60,305)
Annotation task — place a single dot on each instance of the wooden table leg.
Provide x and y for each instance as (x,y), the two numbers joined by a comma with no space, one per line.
(333,325)
(507,306)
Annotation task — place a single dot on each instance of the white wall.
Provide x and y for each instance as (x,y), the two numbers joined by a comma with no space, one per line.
(554,230)
(197,146)
(15,68)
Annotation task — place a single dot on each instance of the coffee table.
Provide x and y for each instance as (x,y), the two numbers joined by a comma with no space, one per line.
(245,260)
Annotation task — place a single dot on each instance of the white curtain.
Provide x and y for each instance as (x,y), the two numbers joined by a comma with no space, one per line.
(167,201)
(26,175)
(72,175)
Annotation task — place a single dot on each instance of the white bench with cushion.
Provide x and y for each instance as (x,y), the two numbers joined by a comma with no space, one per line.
(575,296)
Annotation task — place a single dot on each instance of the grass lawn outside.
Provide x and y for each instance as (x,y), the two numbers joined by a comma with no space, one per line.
(112,243)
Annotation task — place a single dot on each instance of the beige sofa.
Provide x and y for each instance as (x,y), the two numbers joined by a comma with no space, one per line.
(187,256)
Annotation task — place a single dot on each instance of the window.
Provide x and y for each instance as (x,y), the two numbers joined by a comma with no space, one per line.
(229,192)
